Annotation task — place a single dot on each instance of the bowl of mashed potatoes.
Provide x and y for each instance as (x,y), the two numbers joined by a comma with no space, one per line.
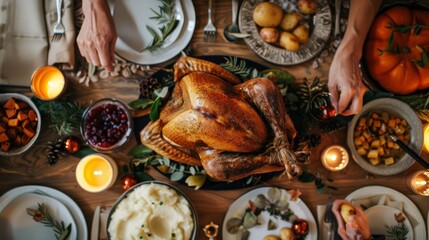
(152,210)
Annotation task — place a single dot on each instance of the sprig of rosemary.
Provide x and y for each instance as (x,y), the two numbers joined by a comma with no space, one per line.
(164,16)
(65,117)
(398,232)
(42,215)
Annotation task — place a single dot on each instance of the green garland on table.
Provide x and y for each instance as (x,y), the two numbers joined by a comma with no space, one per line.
(65,117)
(42,215)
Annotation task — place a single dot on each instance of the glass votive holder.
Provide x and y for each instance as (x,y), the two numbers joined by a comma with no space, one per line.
(48,83)
(335,158)
(426,138)
(96,172)
(418,182)
(321,107)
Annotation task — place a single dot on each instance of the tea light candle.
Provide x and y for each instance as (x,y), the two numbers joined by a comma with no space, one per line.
(335,158)
(426,138)
(47,83)
(96,172)
(418,182)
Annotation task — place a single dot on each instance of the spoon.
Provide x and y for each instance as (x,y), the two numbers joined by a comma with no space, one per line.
(233,28)
(383,130)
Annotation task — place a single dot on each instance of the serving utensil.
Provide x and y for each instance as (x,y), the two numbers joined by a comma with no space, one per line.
(384,131)
(210,29)
(233,27)
(59,29)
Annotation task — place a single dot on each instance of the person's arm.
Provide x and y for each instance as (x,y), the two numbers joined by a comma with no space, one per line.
(97,36)
(345,82)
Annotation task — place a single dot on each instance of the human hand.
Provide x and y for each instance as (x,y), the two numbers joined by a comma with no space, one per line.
(356,228)
(97,36)
(345,82)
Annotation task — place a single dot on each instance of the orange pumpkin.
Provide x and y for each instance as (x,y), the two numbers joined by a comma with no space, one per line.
(397,59)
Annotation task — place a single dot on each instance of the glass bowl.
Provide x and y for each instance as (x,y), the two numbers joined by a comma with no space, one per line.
(106,125)
(15,148)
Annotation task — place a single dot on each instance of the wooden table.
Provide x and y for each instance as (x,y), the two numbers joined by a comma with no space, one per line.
(32,167)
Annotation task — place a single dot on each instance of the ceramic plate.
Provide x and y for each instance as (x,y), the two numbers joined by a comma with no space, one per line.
(319,25)
(131,19)
(381,216)
(410,209)
(17,224)
(72,207)
(396,108)
(238,208)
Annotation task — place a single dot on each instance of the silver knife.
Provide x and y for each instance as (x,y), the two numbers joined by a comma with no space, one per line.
(95,228)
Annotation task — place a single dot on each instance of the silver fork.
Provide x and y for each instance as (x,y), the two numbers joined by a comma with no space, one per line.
(59,27)
(210,29)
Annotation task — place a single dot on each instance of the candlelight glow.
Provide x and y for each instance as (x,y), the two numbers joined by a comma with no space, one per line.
(96,172)
(335,158)
(47,83)
(418,182)
(426,138)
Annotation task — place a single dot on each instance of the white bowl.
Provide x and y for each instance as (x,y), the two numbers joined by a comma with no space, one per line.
(398,109)
(153,218)
(19,150)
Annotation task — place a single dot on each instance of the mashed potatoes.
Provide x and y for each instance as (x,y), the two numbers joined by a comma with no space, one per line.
(152,211)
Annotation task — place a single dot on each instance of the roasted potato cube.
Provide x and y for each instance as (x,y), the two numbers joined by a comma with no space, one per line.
(372,154)
(358,142)
(374,161)
(375,144)
(4,137)
(365,145)
(362,151)
(10,104)
(389,161)
(5,146)
(13,122)
(29,132)
(380,151)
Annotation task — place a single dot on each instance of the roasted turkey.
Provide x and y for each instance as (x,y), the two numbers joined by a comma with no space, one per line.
(230,128)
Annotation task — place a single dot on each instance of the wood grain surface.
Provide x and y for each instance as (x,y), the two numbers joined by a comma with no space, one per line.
(31,168)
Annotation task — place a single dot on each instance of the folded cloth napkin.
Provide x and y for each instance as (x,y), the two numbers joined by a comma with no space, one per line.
(324,233)
(25,32)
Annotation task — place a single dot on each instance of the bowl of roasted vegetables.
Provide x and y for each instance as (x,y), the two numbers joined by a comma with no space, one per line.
(19,123)
(368,136)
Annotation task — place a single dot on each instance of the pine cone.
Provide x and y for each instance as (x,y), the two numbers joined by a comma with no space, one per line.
(55,149)
(148,85)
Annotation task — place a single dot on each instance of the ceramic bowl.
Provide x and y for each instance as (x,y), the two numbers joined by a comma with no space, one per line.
(398,109)
(16,150)
(106,125)
(151,209)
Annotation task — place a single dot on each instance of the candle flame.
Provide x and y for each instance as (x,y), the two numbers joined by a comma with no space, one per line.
(98,172)
(332,157)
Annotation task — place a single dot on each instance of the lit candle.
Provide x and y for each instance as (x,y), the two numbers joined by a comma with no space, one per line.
(47,83)
(96,172)
(418,182)
(335,158)
(426,138)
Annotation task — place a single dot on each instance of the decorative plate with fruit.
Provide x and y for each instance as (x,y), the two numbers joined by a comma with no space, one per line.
(286,32)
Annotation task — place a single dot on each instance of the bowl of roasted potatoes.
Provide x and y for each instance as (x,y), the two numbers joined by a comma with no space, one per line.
(19,124)
(369,141)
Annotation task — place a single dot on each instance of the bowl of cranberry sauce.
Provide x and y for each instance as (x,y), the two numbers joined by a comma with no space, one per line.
(106,125)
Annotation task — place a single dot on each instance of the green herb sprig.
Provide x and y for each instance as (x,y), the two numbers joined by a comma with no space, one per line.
(64,116)
(166,16)
(398,232)
(42,215)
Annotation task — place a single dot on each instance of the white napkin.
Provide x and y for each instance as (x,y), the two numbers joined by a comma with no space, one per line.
(24,42)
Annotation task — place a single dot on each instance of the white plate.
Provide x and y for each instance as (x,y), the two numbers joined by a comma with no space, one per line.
(382,216)
(410,209)
(238,207)
(72,207)
(17,224)
(131,18)
(320,25)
